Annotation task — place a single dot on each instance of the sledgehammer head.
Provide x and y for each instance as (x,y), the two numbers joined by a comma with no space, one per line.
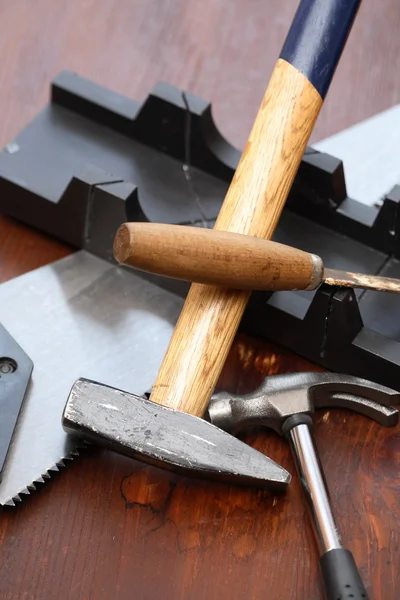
(166,438)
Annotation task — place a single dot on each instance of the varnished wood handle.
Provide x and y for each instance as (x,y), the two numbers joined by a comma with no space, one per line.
(211,315)
(216,257)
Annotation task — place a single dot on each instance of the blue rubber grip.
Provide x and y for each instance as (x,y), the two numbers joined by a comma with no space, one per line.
(316,39)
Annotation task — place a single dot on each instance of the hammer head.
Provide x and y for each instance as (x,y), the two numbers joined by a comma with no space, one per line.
(282,396)
(166,438)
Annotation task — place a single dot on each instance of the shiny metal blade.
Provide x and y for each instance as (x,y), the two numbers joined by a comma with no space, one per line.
(80,316)
(358,280)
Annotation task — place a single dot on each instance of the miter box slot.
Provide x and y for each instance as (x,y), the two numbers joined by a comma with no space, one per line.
(90,100)
(86,125)
(92,159)
(377,228)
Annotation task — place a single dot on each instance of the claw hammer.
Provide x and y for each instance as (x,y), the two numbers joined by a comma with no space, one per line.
(286,404)
(256,196)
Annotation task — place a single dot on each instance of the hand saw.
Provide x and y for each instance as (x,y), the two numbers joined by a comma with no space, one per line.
(73,299)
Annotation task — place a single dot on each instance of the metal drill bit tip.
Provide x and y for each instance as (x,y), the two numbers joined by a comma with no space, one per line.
(166,438)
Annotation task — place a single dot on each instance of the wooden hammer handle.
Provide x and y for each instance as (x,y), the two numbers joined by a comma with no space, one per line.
(216,257)
(211,315)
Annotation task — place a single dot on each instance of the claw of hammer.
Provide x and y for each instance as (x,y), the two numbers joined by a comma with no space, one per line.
(282,396)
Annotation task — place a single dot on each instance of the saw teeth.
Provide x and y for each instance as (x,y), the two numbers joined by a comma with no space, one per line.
(31,487)
(13,500)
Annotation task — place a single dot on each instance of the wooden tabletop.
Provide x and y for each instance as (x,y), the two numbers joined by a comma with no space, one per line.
(108,527)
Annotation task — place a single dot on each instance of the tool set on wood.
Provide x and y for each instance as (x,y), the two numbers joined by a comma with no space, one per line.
(181,424)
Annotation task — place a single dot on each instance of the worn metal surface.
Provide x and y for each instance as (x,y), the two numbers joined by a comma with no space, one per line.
(281,396)
(15,372)
(166,438)
(80,316)
(359,280)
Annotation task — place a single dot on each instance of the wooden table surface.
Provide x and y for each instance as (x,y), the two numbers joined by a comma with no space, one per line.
(108,527)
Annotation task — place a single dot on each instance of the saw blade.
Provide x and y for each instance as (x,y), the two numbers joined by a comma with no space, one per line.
(80,316)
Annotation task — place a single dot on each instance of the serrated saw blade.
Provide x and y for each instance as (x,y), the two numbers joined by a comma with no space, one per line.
(80,316)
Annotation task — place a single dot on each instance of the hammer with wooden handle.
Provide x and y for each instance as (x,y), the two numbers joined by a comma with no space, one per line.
(211,315)
(166,429)
(230,259)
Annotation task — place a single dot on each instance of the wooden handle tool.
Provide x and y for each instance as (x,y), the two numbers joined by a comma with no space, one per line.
(220,258)
(232,260)
(211,315)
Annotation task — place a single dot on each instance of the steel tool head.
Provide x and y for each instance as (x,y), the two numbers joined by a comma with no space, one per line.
(167,438)
(282,396)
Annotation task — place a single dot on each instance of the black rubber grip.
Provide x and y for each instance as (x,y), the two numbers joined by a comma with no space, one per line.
(341,577)
(295,420)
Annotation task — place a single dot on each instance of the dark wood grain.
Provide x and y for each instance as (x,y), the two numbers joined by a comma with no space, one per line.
(107,527)
(23,249)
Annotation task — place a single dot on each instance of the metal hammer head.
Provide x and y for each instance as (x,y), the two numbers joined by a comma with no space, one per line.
(167,438)
(283,396)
